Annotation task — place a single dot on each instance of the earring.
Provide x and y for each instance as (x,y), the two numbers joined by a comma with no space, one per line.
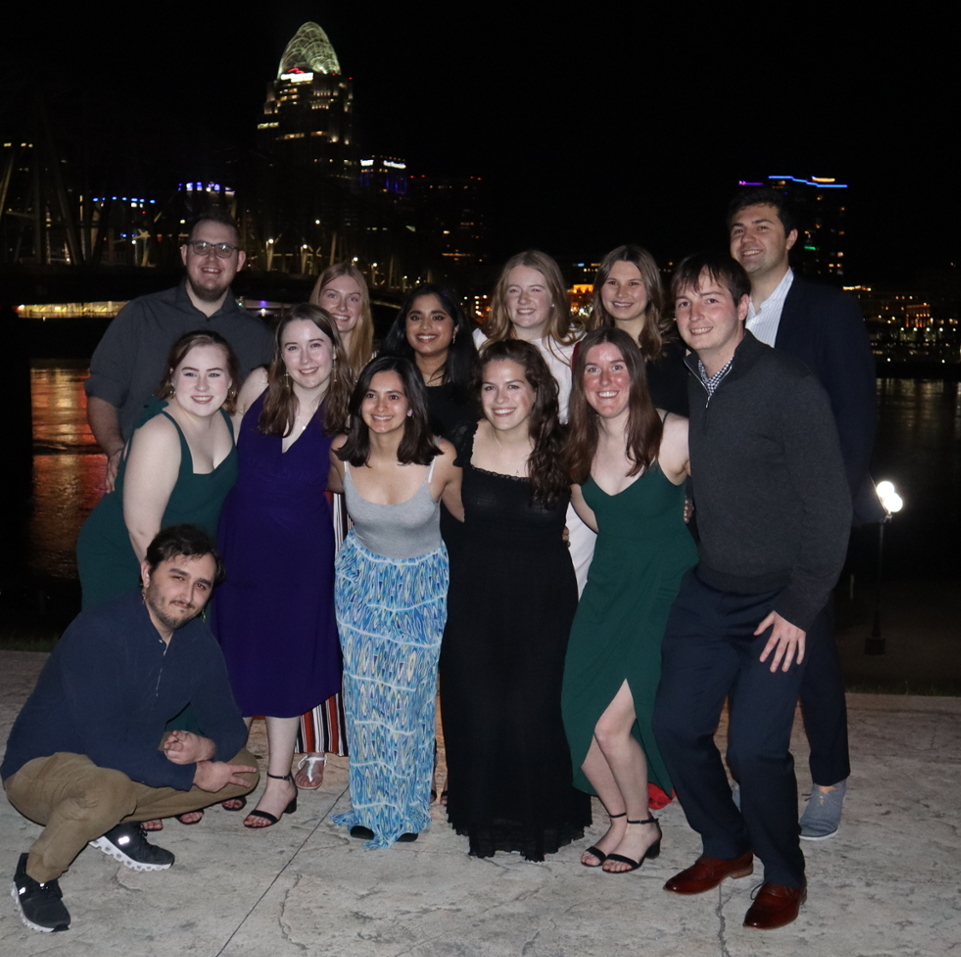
(410,412)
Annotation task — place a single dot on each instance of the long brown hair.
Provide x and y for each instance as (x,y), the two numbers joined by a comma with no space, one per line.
(644,427)
(201,337)
(547,472)
(280,403)
(417,445)
(362,338)
(658,328)
(559,323)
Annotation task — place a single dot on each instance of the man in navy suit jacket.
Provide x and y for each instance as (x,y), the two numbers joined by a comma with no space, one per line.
(824,328)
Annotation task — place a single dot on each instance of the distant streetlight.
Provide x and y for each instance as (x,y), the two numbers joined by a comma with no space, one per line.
(891,502)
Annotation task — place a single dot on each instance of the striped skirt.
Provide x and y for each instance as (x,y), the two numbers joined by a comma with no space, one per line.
(322,728)
(390,616)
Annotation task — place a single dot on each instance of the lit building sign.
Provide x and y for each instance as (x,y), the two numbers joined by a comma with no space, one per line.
(297,76)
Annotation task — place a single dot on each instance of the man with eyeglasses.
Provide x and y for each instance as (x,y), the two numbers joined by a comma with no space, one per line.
(128,364)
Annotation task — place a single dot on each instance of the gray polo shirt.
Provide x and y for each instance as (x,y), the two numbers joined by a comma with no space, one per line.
(130,361)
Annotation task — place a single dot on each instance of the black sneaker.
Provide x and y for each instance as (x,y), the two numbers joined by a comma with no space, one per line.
(40,905)
(128,844)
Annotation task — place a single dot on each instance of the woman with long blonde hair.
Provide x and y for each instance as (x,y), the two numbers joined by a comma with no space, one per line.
(341,290)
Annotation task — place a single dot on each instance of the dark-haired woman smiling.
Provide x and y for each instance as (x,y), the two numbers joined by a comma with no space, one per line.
(391,596)
(432,331)
(512,599)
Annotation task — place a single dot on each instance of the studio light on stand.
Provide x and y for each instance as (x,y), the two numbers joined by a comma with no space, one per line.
(892,502)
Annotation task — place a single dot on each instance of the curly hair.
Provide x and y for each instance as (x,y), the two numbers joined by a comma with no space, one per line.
(547,472)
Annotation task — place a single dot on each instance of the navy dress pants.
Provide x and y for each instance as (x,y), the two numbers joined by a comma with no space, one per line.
(822,703)
(710,653)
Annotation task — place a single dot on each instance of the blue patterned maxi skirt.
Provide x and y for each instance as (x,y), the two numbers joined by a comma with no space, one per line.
(390,614)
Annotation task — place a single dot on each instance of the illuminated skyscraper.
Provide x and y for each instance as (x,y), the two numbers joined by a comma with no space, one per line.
(307,116)
(306,141)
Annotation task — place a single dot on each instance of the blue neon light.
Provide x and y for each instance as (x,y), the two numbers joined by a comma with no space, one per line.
(810,182)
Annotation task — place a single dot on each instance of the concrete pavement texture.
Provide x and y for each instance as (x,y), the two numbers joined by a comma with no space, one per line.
(887,884)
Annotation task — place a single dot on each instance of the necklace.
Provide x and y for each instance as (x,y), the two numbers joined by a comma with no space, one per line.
(502,447)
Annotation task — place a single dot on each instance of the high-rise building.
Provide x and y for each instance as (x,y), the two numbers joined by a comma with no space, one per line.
(451,217)
(310,167)
(820,203)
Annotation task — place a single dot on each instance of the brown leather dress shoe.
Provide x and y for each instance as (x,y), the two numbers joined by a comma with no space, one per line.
(707,872)
(775,906)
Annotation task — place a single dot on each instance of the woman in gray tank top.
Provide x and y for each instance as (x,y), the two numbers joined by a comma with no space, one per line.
(391,597)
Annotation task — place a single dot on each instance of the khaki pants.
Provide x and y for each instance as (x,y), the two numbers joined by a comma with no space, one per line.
(78,801)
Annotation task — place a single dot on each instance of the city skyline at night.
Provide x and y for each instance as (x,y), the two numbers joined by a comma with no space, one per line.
(586,134)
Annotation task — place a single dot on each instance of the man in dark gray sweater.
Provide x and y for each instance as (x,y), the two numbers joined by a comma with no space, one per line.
(773,512)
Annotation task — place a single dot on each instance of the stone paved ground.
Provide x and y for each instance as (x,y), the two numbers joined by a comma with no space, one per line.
(888,884)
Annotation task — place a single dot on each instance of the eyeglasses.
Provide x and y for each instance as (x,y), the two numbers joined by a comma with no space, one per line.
(201,247)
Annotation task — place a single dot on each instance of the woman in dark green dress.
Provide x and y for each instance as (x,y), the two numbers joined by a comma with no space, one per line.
(177,468)
(629,461)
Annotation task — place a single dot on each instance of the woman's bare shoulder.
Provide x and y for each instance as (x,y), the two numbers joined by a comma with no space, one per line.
(158,430)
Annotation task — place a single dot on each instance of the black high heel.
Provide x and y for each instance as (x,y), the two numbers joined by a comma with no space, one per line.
(596,851)
(653,851)
(266,815)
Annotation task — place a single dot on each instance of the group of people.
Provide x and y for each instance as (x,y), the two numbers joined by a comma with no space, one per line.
(594,536)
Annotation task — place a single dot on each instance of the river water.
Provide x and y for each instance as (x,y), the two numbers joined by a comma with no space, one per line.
(918,448)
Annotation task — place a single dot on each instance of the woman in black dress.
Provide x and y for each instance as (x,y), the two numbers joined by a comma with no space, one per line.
(512,600)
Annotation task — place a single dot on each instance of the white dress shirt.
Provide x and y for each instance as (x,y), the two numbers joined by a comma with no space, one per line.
(764,322)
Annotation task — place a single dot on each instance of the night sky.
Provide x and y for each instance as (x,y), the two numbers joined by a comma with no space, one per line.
(590,131)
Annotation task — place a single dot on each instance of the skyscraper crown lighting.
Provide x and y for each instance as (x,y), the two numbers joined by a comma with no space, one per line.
(309,50)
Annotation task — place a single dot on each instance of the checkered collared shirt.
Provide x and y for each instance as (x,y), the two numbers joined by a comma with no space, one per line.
(711,382)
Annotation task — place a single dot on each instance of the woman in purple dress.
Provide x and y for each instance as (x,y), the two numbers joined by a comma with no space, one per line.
(274,614)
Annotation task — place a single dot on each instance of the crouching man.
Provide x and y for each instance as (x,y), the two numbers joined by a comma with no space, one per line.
(88,757)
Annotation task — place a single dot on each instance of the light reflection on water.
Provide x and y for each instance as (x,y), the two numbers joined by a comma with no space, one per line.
(68,469)
(918,448)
